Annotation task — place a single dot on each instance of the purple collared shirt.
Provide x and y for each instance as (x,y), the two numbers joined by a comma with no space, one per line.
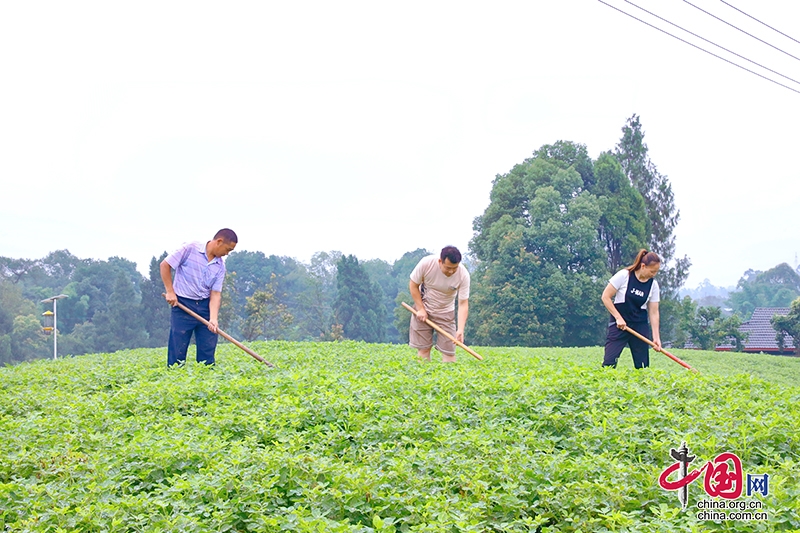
(195,277)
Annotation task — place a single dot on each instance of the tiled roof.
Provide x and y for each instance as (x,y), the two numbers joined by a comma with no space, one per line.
(761,334)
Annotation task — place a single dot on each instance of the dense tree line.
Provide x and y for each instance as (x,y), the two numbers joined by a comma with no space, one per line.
(111,306)
(103,311)
(776,287)
(707,326)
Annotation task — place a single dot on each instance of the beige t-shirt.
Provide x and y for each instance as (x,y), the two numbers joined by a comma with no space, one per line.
(438,291)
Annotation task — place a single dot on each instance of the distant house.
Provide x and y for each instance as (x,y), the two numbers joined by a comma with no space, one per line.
(761,336)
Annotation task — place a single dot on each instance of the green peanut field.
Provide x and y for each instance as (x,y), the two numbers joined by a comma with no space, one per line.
(355,437)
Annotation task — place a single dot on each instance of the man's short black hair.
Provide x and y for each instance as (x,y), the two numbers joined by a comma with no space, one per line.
(451,253)
(227,235)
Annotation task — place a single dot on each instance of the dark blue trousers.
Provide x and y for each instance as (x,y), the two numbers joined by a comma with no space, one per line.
(616,340)
(181,327)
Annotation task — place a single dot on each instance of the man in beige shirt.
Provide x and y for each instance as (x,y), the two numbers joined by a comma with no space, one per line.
(435,283)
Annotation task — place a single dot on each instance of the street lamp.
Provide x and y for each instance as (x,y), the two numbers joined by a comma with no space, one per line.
(55,300)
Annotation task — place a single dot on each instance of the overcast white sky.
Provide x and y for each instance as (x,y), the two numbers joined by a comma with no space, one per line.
(375,129)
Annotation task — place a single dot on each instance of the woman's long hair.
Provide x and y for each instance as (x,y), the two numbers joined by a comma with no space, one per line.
(643,258)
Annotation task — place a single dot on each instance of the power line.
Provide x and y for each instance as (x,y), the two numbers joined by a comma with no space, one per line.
(764,23)
(711,42)
(699,48)
(741,30)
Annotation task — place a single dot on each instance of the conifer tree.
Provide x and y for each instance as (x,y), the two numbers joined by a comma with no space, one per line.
(359,303)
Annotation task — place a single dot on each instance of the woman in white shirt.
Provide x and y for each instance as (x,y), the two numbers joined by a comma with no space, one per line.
(632,297)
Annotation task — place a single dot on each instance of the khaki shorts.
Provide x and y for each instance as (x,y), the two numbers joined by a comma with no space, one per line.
(420,334)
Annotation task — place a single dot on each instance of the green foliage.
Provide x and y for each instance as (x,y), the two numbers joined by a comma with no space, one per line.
(99,279)
(624,220)
(6,355)
(777,287)
(12,304)
(676,315)
(352,437)
(320,294)
(788,325)
(255,270)
(402,317)
(380,272)
(154,307)
(541,267)
(82,340)
(359,303)
(393,281)
(662,213)
(702,330)
(707,328)
(566,154)
(402,268)
(229,319)
(105,312)
(27,339)
(14,270)
(74,310)
(40,277)
(266,317)
(729,331)
(121,324)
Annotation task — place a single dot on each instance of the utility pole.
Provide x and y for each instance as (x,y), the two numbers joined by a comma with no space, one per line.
(55,300)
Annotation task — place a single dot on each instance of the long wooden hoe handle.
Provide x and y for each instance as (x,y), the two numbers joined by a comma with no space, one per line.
(651,343)
(219,331)
(466,348)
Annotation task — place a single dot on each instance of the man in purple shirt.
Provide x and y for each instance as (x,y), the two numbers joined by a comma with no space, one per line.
(199,273)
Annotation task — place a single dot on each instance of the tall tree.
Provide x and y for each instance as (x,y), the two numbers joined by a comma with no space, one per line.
(155,310)
(319,296)
(13,305)
(381,272)
(121,324)
(359,303)
(623,224)
(662,213)
(624,219)
(97,280)
(541,267)
(74,309)
(401,271)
